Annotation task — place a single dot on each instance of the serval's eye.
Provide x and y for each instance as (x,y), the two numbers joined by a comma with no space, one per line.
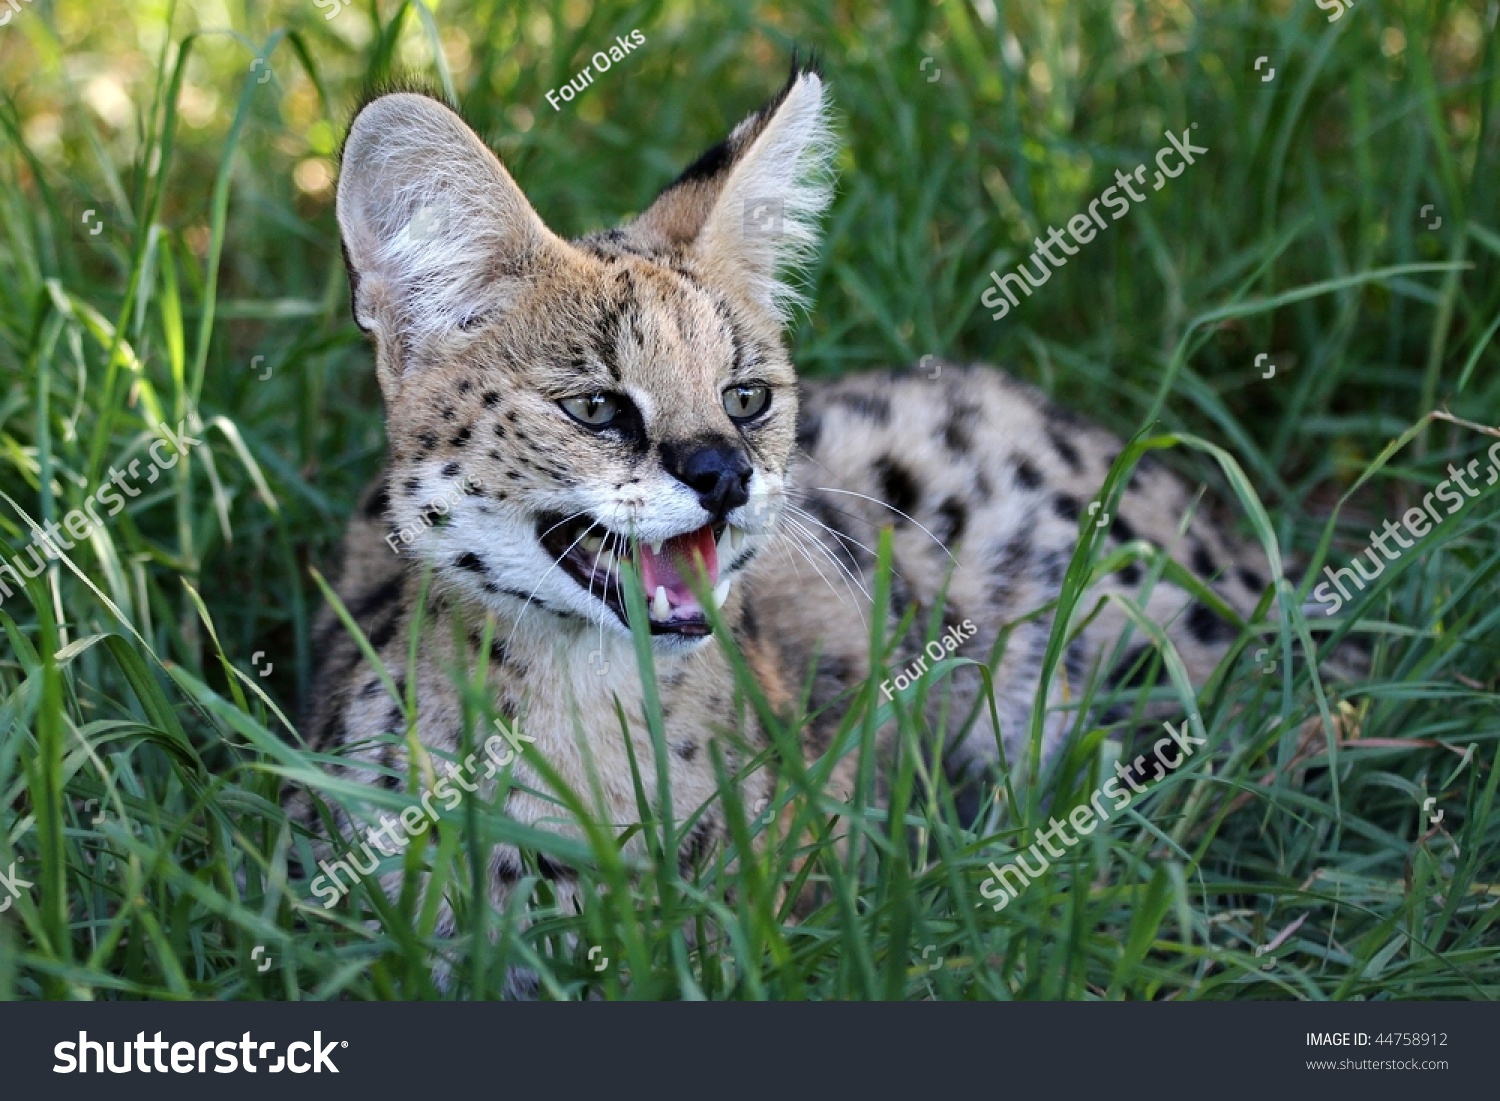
(744,403)
(592,410)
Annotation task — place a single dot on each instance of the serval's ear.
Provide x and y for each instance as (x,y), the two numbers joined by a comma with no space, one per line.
(749,207)
(436,233)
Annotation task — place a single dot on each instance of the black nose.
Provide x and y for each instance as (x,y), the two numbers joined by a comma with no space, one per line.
(719,472)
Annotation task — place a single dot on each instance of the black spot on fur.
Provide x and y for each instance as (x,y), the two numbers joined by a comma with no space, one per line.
(748,623)
(809,429)
(686,750)
(1130,573)
(732,333)
(1203,562)
(695,846)
(376,506)
(1206,627)
(450,470)
(953,624)
(505,866)
(1074,662)
(1139,668)
(606,337)
(955,520)
(901,597)
(463,436)
(1066,507)
(1027,476)
(897,487)
(834,671)
(1064,447)
(551,869)
(1251,579)
(491,399)
(384,631)
(332,731)
(392,780)
(374,601)
(470,561)
(969,794)
(1121,529)
(956,432)
(428,441)
(875,406)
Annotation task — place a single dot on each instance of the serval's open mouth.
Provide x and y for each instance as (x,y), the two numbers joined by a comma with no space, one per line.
(592,556)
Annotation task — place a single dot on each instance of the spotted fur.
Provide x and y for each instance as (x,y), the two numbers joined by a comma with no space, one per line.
(484,322)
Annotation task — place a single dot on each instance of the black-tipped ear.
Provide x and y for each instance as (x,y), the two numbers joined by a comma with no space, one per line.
(749,207)
(433,225)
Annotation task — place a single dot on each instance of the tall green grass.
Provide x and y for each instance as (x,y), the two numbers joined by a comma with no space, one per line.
(142,751)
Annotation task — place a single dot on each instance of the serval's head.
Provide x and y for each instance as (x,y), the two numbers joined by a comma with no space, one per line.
(624,396)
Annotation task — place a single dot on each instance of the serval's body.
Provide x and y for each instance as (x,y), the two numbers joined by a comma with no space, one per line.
(629,395)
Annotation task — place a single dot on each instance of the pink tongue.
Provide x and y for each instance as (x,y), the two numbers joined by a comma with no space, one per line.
(677,562)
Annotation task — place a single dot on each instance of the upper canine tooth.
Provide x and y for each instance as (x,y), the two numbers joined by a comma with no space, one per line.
(656,547)
(594,544)
(661,608)
(736,538)
(605,561)
(721,591)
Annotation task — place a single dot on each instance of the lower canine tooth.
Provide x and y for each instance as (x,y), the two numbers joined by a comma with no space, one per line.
(605,561)
(660,608)
(721,591)
(736,539)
